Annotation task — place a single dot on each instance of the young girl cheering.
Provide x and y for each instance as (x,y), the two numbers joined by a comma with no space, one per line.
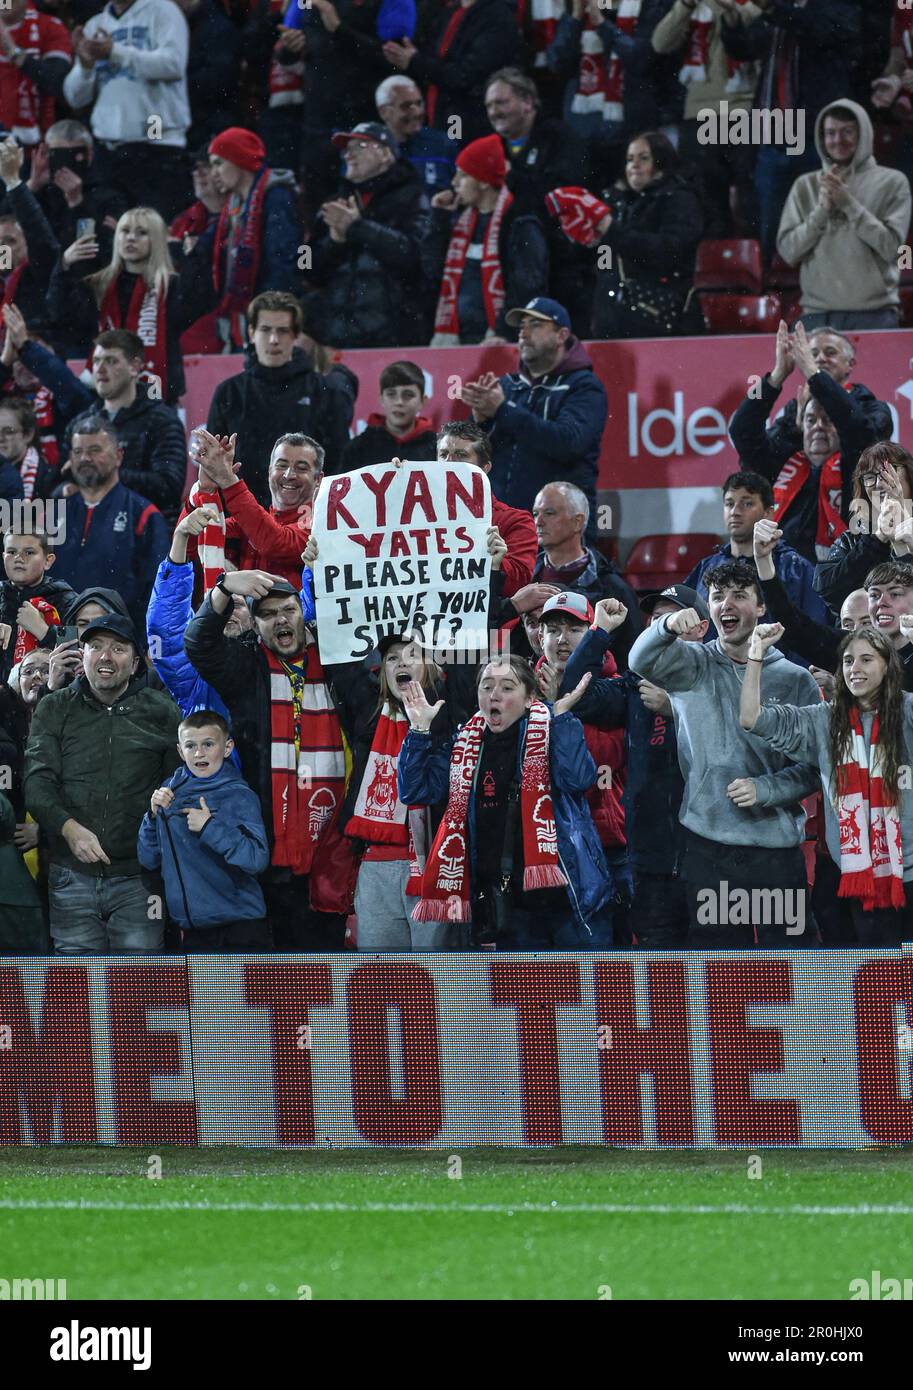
(862,743)
(516,852)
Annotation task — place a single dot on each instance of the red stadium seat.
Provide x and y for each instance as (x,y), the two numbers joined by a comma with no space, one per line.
(741,313)
(656,561)
(729,265)
(781,276)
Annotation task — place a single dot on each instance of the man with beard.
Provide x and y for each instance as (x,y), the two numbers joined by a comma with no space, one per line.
(271,539)
(288,735)
(96,752)
(113,537)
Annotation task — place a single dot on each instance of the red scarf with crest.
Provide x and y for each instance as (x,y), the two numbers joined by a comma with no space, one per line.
(790,481)
(145,317)
(307,757)
(446,889)
(601,76)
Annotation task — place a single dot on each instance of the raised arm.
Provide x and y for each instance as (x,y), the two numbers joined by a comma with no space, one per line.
(764,636)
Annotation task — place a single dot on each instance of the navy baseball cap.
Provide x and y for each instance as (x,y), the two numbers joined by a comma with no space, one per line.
(367,130)
(547,309)
(681,596)
(115,623)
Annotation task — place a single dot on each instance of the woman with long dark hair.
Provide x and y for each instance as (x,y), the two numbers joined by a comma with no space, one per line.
(652,230)
(862,744)
(882,502)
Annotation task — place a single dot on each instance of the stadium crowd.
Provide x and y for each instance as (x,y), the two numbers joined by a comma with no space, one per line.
(725,762)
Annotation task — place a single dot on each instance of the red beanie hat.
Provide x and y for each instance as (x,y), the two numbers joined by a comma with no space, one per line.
(484,160)
(239,146)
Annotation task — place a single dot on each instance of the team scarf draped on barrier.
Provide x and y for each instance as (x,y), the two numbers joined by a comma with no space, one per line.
(146,317)
(790,481)
(211,540)
(871,850)
(600,78)
(236,253)
(743,76)
(379,817)
(447,318)
(307,758)
(445,893)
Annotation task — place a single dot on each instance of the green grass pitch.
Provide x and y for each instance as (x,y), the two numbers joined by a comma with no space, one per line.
(384,1224)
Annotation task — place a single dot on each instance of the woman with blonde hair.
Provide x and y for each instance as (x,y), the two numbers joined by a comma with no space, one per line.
(138,290)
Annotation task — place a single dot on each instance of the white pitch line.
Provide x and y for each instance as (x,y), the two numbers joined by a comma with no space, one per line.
(497,1208)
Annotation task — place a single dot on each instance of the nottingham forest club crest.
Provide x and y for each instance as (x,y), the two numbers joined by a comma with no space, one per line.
(380,798)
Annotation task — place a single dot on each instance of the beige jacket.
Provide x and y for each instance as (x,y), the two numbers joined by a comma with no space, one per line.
(848,258)
(718,84)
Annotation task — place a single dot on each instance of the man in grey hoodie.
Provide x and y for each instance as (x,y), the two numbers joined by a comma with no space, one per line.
(743,868)
(843,226)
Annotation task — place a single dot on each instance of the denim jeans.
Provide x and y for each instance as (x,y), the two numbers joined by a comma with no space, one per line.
(91,915)
(775,173)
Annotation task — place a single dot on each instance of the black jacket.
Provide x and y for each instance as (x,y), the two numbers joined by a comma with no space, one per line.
(748,432)
(11,600)
(213,72)
(99,201)
(826,61)
(487,39)
(73,310)
(655,235)
(654,785)
(522,252)
(43,250)
(370,285)
(815,643)
(869,422)
(261,403)
(152,438)
(599,580)
(342,69)
(848,563)
(377,445)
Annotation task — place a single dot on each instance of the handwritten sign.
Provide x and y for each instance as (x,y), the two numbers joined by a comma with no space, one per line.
(402,550)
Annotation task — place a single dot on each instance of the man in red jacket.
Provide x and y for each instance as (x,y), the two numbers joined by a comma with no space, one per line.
(273,539)
(462,441)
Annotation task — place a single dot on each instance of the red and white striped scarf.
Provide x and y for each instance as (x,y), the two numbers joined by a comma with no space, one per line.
(538,19)
(447,318)
(307,757)
(871,850)
(379,817)
(445,882)
(28,472)
(600,79)
(211,540)
(146,317)
(742,75)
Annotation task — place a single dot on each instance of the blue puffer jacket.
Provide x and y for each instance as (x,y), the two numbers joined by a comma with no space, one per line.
(424,776)
(170,610)
(549,428)
(209,874)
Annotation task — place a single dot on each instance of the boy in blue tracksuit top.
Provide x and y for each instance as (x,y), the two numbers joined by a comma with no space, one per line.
(205,832)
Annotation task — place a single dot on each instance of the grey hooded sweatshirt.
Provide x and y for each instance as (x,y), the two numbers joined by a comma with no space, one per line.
(705,685)
(848,258)
(805,734)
